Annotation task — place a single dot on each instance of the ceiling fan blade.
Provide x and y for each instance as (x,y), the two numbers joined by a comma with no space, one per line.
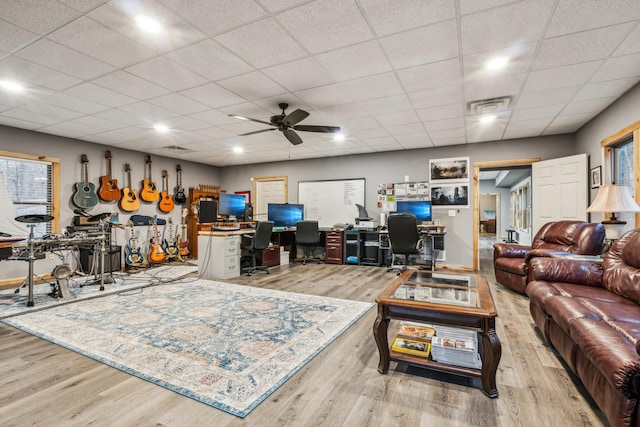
(250,119)
(295,117)
(257,131)
(312,128)
(293,137)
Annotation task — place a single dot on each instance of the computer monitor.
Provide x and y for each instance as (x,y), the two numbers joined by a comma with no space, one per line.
(285,214)
(231,204)
(420,208)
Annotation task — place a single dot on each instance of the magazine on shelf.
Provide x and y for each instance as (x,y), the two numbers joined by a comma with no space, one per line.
(411,346)
(417,330)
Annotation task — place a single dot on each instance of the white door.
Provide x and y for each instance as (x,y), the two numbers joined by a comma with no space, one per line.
(559,189)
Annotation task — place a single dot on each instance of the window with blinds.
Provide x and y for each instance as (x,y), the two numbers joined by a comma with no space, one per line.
(30,186)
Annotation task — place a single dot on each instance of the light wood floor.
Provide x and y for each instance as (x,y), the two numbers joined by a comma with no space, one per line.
(42,384)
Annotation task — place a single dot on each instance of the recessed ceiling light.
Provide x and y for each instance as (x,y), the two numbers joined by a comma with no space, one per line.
(148,24)
(497,63)
(487,118)
(238,150)
(160,128)
(11,85)
(338,137)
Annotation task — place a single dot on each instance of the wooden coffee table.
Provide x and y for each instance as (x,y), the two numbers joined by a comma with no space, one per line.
(453,300)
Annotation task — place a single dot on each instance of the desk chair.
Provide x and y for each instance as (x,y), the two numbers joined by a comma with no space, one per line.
(404,238)
(259,241)
(307,236)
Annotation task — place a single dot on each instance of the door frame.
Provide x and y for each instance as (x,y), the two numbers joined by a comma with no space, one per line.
(476,197)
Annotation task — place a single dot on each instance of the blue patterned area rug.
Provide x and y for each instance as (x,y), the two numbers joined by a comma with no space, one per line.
(229,346)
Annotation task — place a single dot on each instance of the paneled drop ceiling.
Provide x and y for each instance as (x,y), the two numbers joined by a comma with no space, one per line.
(394,75)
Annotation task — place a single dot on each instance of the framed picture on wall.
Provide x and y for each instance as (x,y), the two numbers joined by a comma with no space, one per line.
(247,195)
(450,195)
(449,170)
(596,177)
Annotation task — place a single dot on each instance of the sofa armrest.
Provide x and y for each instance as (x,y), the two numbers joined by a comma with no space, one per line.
(566,271)
(539,252)
(507,250)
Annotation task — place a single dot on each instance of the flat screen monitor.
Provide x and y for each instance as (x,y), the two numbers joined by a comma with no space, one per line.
(420,208)
(285,214)
(231,204)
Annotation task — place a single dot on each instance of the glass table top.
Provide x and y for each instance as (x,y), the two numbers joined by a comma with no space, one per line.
(438,288)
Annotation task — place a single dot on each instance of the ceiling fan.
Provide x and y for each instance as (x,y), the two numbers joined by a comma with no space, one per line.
(287,124)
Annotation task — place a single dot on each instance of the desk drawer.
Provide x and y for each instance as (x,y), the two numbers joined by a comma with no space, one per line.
(270,256)
(333,254)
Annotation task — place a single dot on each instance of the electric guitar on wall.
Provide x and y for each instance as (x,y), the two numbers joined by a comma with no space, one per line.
(149,191)
(129,201)
(165,204)
(108,190)
(170,244)
(133,257)
(183,243)
(156,253)
(85,196)
(178,196)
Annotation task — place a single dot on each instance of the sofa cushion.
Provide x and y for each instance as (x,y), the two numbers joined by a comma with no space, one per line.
(621,266)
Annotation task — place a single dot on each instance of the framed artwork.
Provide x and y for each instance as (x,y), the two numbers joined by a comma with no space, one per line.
(247,195)
(449,170)
(596,177)
(456,195)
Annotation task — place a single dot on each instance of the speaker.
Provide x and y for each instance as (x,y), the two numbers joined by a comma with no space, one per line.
(248,212)
(112,259)
(208,211)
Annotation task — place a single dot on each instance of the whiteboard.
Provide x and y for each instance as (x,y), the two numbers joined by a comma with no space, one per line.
(332,202)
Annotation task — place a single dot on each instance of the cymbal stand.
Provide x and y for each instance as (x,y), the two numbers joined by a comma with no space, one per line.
(31,259)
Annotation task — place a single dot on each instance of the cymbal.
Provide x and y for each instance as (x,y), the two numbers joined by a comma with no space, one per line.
(34,218)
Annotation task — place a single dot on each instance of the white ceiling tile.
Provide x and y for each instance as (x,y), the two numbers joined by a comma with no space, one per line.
(441,112)
(300,74)
(395,119)
(255,110)
(505,26)
(529,124)
(128,84)
(448,141)
(13,37)
(31,73)
(414,13)
(167,74)
(522,133)
(473,6)
(431,76)
(18,123)
(212,95)
(388,104)
(341,112)
(588,106)
(210,60)
(618,68)
(82,5)
(91,92)
(252,86)
(178,104)
(572,16)
(406,129)
(457,122)
(335,24)
(359,124)
(37,16)
(569,75)
(569,123)
(148,112)
(560,95)
(51,111)
(630,45)
(228,13)
(447,133)
(96,40)
(53,55)
(580,47)
(214,118)
(120,117)
(325,96)
(417,140)
(118,136)
(270,105)
(537,112)
(97,122)
(280,5)
(491,88)
(355,61)
(372,133)
(424,45)
(520,58)
(73,103)
(378,86)
(30,116)
(604,89)
(433,97)
(69,130)
(262,44)
(185,123)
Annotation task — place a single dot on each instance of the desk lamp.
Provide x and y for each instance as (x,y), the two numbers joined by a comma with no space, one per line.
(613,198)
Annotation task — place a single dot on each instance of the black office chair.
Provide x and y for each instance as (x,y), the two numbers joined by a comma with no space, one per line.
(308,237)
(404,238)
(259,241)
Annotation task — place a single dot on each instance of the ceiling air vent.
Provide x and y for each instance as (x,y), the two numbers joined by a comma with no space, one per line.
(489,105)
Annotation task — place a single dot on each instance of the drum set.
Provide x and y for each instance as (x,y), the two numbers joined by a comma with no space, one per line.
(61,272)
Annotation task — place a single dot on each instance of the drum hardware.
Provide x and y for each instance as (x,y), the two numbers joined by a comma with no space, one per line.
(31,221)
(60,289)
(102,279)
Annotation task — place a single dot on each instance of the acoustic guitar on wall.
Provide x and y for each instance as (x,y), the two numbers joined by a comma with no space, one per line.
(129,202)
(178,196)
(108,190)
(165,204)
(85,196)
(149,191)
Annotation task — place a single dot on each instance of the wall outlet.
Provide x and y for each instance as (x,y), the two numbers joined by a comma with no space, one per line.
(452,212)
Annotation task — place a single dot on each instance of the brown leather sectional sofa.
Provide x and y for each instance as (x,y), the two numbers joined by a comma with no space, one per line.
(510,261)
(590,314)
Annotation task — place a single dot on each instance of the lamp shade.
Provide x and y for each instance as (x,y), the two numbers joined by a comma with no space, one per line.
(614,198)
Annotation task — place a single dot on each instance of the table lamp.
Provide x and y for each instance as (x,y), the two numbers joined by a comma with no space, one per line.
(613,198)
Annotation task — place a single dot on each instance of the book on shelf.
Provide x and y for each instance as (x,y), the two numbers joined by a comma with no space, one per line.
(417,330)
(411,346)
